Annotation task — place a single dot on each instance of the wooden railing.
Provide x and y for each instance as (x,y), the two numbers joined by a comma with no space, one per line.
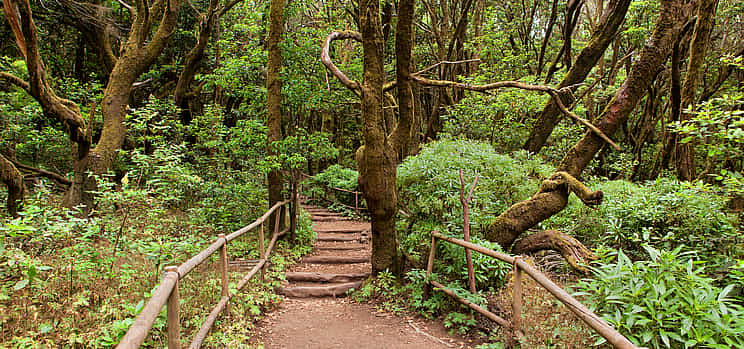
(357,195)
(595,322)
(167,291)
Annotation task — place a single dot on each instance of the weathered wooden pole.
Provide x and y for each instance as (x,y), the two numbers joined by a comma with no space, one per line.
(517,301)
(224,271)
(261,249)
(174,325)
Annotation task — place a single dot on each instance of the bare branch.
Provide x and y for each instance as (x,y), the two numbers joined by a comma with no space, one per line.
(15,81)
(44,173)
(520,85)
(447,62)
(126,6)
(325,57)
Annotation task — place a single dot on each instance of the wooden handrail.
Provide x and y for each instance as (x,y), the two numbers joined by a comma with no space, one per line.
(167,290)
(593,320)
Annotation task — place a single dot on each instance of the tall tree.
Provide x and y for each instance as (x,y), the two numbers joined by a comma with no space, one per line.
(142,47)
(274,95)
(700,37)
(378,158)
(601,38)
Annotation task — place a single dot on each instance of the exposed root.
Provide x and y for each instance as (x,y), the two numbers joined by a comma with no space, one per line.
(575,253)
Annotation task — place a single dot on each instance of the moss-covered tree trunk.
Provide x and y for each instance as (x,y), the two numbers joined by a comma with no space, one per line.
(585,62)
(377,158)
(138,53)
(141,49)
(404,129)
(13,180)
(700,37)
(553,195)
(274,96)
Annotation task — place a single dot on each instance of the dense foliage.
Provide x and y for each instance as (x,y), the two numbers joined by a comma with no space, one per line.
(665,301)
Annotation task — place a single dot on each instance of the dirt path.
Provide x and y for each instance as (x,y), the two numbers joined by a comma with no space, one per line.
(311,317)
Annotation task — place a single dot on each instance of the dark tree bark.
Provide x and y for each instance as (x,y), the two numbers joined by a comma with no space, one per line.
(553,195)
(13,180)
(585,62)
(274,96)
(377,158)
(700,37)
(404,49)
(183,95)
(546,39)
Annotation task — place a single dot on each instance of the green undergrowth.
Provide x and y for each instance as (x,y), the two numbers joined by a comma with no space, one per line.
(666,301)
(390,294)
(80,282)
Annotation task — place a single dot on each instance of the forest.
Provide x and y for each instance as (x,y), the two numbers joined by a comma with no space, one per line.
(601,139)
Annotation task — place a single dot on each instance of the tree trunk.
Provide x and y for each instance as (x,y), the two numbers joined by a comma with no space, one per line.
(139,52)
(183,94)
(377,158)
(403,64)
(700,36)
(13,179)
(585,62)
(274,96)
(553,195)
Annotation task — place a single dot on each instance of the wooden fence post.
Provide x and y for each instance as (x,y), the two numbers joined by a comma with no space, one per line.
(224,270)
(174,325)
(430,265)
(261,249)
(517,300)
(356,202)
(293,209)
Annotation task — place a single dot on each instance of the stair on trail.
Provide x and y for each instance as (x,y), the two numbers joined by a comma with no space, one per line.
(340,259)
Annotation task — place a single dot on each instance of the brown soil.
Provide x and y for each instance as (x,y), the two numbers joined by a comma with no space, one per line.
(342,323)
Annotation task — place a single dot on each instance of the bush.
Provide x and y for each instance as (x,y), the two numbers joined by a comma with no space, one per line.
(664,214)
(664,302)
(430,195)
(320,186)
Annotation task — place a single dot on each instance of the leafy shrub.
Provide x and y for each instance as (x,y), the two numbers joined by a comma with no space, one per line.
(430,195)
(664,302)
(664,214)
(320,186)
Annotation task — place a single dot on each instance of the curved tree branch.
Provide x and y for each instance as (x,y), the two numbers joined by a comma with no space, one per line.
(555,94)
(325,57)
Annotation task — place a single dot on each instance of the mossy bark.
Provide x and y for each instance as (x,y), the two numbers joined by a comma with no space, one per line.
(700,37)
(139,52)
(274,96)
(377,158)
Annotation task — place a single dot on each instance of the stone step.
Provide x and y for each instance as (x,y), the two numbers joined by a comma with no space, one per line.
(325,277)
(336,290)
(335,259)
(340,230)
(338,238)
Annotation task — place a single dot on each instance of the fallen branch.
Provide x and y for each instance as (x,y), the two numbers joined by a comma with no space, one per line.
(51,175)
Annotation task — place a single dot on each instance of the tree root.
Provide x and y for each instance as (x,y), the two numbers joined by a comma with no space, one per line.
(575,253)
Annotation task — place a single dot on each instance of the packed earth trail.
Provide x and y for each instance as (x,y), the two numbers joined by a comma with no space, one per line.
(316,313)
